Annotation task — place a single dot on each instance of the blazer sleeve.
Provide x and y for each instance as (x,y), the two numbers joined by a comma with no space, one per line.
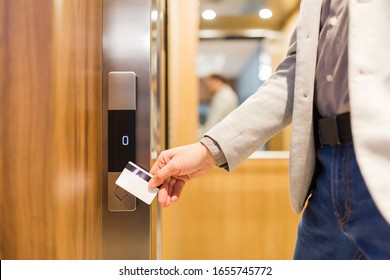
(261,116)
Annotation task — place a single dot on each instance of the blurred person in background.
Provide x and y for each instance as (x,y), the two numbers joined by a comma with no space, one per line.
(223,100)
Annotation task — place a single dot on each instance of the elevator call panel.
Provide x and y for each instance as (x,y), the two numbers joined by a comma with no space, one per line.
(122,89)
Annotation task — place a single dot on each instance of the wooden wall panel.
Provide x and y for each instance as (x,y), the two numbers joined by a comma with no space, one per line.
(50,129)
(26,130)
(245,214)
(183,89)
(77,117)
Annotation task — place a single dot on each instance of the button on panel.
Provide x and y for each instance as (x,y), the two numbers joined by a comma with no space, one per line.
(122,91)
(120,193)
(119,200)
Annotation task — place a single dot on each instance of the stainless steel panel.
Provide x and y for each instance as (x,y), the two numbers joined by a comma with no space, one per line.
(126,47)
(158,73)
(118,198)
(122,91)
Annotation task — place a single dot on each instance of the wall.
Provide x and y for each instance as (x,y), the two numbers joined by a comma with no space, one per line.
(183,87)
(50,129)
(241,215)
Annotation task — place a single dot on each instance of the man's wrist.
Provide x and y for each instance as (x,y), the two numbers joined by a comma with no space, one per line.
(215,150)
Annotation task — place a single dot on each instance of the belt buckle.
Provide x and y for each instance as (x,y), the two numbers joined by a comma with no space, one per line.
(328,131)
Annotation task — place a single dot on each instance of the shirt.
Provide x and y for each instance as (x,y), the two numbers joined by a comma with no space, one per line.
(331,84)
(331,80)
(222,103)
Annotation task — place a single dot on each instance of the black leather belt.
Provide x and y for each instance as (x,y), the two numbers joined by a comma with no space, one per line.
(335,130)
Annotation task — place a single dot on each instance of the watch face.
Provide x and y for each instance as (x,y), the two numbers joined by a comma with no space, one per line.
(121,139)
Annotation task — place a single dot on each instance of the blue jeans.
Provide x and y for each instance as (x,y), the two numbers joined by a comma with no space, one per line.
(340,220)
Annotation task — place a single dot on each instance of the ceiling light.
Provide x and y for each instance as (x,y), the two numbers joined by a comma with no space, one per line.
(209,14)
(265,13)
(154,15)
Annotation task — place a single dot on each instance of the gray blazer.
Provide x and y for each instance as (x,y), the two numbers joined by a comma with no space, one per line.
(288,97)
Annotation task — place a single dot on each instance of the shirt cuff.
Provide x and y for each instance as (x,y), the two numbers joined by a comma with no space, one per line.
(215,150)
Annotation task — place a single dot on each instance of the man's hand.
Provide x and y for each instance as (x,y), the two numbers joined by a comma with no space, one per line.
(175,167)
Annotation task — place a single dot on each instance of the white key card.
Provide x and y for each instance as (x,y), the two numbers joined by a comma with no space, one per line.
(134,180)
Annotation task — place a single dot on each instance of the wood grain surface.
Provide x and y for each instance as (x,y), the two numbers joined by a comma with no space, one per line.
(183,21)
(243,215)
(50,129)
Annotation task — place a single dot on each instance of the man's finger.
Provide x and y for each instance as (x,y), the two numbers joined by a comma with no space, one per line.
(162,174)
(161,161)
(177,190)
(163,194)
(171,185)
